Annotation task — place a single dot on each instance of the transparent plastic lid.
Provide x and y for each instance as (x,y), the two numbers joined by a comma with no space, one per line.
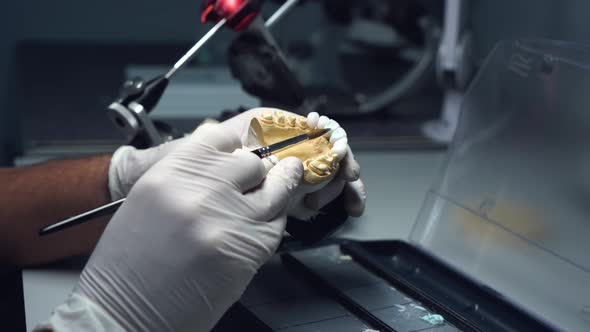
(512,205)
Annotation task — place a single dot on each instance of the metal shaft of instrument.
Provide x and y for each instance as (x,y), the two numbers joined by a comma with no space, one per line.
(188,56)
(284,9)
(81,218)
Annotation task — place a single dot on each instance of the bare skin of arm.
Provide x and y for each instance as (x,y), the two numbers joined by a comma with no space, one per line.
(36,196)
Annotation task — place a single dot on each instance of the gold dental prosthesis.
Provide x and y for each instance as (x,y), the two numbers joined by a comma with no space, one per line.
(320,157)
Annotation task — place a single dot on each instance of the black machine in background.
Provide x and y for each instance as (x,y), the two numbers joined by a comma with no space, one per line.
(373,75)
(393,73)
(262,71)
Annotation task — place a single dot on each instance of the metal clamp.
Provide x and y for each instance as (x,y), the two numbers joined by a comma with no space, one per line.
(134,121)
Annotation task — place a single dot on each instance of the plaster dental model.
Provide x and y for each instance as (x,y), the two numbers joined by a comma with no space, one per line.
(320,157)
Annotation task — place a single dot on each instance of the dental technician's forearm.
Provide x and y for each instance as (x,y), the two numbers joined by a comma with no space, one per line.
(33,197)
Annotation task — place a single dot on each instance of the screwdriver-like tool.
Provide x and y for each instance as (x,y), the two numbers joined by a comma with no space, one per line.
(111,208)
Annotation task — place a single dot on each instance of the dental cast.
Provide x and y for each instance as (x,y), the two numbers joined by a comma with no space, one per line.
(321,156)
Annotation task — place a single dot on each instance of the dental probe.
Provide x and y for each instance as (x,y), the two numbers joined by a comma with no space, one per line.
(112,207)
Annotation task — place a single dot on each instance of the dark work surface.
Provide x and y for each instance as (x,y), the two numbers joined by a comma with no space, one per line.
(285,301)
(66,88)
(377,286)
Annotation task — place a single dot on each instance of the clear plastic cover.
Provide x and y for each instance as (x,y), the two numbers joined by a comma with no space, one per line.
(512,206)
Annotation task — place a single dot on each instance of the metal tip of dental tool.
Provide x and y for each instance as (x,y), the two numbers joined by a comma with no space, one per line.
(317,133)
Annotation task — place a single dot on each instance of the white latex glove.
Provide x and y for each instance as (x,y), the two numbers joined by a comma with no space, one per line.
(129,164)
(191,235)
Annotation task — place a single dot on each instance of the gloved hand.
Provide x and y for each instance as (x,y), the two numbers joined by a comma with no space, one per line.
(129,164)
(347,182)
(191,235)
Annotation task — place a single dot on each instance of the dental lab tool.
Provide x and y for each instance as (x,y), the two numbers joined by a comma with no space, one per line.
(111,208)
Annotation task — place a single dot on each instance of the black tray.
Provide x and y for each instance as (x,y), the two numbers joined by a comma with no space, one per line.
(423,280)
(464,302)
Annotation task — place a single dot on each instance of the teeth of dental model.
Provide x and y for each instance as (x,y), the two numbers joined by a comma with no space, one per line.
(312,119)
(302,122)
(266,117)
(337,134)
(340,148)
(291,120)
(322,122)
(333,126)
(329,158)
(339,142)
(320,167)
(320,157)
(280,119)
